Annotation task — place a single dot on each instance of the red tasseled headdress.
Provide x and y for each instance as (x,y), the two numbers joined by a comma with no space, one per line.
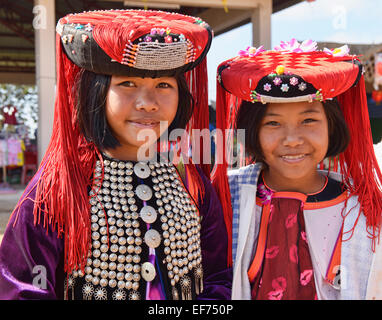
(98,41)
(257,75)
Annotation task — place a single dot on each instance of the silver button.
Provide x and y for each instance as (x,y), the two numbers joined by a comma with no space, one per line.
(148,271)
(152,238)
(142,170)
(148,214)
(144,192)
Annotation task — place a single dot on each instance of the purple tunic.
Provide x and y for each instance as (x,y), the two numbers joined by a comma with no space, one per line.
(31,258)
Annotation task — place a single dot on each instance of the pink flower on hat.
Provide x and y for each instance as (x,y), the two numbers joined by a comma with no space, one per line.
(251,51)
(338,52)
(294,46)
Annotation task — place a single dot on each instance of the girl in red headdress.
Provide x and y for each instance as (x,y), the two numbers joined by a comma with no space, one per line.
(304,217)
(101,220)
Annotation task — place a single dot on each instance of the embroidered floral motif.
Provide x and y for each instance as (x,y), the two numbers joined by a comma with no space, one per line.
(182,38)
(302,86)
(284,87)
(293,81)
(267,87)
(277,81)
(168,39)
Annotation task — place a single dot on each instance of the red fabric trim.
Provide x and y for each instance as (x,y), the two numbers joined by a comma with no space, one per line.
(262,239)
(335,260)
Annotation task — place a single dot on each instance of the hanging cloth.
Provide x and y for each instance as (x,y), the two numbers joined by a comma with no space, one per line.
(282,268)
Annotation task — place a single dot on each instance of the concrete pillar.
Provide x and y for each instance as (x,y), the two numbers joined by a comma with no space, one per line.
(261,24)
(44,24)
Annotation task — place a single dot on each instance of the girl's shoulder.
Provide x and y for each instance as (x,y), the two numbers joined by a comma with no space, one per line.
(245,175)
(23,211)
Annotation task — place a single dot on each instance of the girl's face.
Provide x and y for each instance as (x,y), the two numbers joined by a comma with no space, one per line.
(134,104)
(294,139)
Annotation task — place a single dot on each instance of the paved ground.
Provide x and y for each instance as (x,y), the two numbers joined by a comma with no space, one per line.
(7,203)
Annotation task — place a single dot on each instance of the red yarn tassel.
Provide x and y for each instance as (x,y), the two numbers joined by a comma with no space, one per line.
(67,168)
(358,163)
(219,174)
(198,84)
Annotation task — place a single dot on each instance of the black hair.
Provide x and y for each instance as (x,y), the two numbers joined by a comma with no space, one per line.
(91,92)
(250,116)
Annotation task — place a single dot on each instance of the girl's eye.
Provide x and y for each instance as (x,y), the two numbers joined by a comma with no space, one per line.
(309,120)
(129,84)
(271,123)
(164,85)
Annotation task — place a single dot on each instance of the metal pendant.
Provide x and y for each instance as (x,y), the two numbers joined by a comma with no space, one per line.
(143,192)
(148,214)
(148,271)
(152,238)
(142,170)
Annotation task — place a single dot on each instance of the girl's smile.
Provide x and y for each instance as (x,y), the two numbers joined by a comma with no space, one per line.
(144,123)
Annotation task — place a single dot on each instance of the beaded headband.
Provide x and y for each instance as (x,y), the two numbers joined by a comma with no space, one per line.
(141,42)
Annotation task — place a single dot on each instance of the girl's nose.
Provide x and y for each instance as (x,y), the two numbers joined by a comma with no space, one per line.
(292,138)
(146,102)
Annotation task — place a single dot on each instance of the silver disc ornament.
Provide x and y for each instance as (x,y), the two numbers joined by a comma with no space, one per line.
(148,271)
(152,238)
(148,214)
(142,170)
(143,192)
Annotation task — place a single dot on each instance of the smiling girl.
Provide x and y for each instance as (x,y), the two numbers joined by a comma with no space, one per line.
(298,232)
(97,221)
